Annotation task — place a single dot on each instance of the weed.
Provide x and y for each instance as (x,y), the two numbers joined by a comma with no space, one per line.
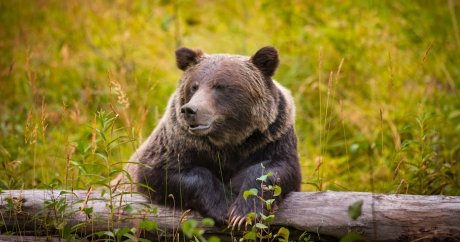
(260,223)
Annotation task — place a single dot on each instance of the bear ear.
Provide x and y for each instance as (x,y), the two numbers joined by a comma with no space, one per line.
(266,60)
(186,57)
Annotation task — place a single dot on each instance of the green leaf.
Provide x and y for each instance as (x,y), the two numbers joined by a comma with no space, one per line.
(251,235)
(129,209)
(276,190)
(268,204)
(61,225)
(130,237)
(354,148)
(64,193)
(88,211)
(101,134)
(102,156)
(261,226)
(265,177)
(108,233)
(267,219)
(78,165)
(354,210)
(250,217)
(188,227)
(144,240)
(66,233)
(103,191)
(122,232)
(265,236)
(148,225)
(208,221)
(153,210)
(283,233)
(352,237)
(213,239)
(306,237)
(250,192)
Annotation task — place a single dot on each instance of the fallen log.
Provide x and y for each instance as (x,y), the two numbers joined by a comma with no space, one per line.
(322,214)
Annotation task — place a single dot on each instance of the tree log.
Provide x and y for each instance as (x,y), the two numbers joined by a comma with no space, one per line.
(323,214)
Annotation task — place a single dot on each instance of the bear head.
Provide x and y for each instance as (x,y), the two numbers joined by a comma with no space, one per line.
(225,98)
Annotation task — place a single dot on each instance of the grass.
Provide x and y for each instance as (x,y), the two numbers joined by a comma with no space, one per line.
(375,84)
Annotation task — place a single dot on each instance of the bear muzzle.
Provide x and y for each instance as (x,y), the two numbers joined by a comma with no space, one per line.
(189,111)
(198,122)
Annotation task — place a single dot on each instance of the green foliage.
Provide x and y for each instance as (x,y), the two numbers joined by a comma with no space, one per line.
(375,84)
(355,209)
(283,234)
(250,192)
(148,225)
(352,237)
(121,234)
(192,229)
(260,223)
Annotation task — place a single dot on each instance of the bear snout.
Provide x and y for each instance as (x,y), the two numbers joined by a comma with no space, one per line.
(189,111)
(198,121)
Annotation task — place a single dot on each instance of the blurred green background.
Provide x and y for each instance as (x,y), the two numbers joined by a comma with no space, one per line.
(84,82)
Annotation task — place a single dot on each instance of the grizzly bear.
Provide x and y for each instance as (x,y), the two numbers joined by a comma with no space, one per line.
(227,124)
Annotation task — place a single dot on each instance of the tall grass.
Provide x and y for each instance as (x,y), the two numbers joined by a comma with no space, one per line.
(391,117)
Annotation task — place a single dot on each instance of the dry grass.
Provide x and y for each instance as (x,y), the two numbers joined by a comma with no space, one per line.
(375,83)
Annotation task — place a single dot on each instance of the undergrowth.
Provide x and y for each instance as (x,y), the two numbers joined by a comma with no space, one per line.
(375,84)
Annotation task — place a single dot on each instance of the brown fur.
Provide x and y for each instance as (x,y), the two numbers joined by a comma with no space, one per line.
(258,114)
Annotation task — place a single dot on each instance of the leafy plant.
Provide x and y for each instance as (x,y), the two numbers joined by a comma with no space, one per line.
(191,229)
(355,209)
(260,223)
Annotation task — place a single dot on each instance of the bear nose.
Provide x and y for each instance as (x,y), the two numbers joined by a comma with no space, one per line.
(188,111)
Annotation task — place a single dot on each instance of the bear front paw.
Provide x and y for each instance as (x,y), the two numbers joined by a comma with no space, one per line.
(239,211)
(218,216)
(216,211)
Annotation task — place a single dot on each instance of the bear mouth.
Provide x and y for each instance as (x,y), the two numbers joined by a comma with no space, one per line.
(199,127)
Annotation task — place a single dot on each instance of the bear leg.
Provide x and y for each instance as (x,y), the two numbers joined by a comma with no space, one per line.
(196,188)
(283,175)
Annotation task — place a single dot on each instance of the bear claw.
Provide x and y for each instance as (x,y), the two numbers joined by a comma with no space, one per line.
(236,222)
(232,212)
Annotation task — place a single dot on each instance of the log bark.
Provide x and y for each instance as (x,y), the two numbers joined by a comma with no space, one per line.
(323,214)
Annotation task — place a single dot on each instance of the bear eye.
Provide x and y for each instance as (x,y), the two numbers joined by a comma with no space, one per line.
(194,87)
(220,86)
